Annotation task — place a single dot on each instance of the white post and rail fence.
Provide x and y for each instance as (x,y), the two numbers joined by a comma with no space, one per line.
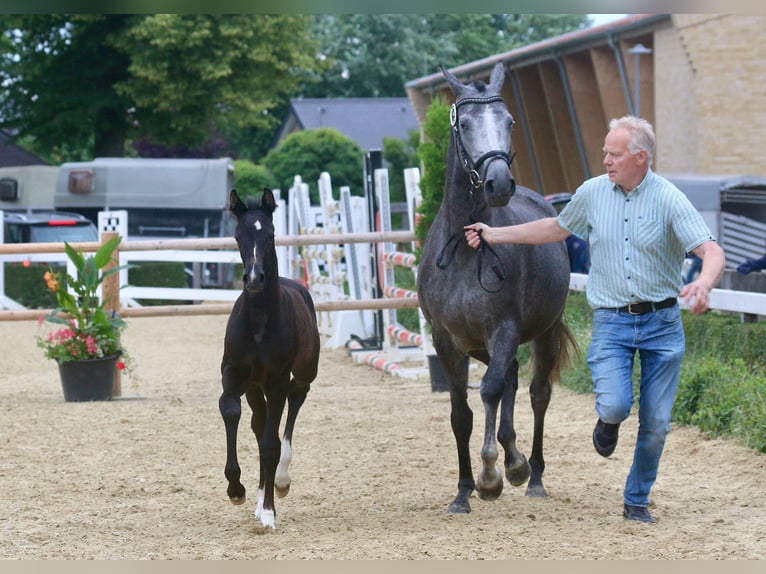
(747,303)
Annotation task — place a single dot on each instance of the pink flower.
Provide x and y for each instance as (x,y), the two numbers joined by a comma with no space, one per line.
(121,365)
(91,345)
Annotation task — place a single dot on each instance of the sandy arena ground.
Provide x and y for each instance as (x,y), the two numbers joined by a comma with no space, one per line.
(374,469)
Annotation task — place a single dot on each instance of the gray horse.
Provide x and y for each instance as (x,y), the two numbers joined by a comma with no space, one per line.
(486,302)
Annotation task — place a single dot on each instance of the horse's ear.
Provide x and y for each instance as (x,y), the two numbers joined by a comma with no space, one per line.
(268,203)
(235,204)
(456,85)
(497,77)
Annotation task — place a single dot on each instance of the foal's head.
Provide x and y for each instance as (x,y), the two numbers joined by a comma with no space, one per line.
(255,239)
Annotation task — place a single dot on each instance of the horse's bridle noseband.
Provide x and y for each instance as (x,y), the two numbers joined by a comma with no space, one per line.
(469,166)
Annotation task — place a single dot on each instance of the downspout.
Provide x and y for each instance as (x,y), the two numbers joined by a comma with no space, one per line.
(573,115)
(525,128)
(623,75)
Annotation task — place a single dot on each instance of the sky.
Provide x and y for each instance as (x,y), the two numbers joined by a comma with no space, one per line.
(599,19)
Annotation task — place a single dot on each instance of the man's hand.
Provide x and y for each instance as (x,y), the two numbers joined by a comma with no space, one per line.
(474,232)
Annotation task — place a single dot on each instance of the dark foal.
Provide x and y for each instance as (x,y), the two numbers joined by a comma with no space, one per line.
(271,353)
(486,303)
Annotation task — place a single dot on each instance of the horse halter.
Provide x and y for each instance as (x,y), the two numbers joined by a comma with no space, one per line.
(470,167)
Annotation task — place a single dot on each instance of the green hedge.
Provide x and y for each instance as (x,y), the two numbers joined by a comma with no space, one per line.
(157,274)
(723,377)
(27,286)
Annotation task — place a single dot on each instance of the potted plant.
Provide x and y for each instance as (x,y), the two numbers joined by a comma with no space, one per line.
(86,345)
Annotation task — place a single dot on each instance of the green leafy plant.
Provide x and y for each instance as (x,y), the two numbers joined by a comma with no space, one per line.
(88,330)
(433,154)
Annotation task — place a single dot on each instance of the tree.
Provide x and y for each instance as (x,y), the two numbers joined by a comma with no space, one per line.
(374,55)
(57,77)
(250,179)
(309,153)
(91,82)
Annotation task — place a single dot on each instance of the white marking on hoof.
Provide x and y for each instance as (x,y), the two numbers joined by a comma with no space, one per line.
(268,519)
(259,508)
(282,477)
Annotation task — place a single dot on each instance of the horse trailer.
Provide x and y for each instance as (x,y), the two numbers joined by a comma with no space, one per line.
(27,188)
(734,207)
(164,198)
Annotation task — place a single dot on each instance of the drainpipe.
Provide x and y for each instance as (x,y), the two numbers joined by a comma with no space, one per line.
(623,75)
(525,128)
(573,115)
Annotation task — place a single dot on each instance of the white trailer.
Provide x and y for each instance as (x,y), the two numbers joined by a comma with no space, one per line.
(164,198)
(27,188)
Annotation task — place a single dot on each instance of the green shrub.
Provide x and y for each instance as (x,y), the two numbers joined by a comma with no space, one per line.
(250,179)
(433,155)
(726,337)
(400,155)
(408,318)
(26,286)
(723,400)
(309,153)
(158,274)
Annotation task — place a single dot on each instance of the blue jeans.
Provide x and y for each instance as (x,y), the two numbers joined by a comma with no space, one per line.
(660,342)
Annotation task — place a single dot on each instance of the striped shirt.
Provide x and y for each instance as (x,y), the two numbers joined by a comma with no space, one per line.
(637,241)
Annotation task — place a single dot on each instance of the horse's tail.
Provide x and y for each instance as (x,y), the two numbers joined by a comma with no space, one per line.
(568,349)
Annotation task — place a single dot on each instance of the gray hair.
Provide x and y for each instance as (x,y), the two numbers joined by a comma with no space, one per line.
(641,134)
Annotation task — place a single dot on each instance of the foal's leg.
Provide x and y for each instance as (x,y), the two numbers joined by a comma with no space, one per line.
(294,402)
(257,403)
(269,445)
(230,407)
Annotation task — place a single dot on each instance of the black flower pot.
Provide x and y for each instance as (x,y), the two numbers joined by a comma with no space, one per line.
(88,380)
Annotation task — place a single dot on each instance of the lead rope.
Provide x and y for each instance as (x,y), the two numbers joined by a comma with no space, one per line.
(445,259)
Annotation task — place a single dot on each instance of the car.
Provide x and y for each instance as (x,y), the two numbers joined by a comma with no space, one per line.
(48,227)
(559,200)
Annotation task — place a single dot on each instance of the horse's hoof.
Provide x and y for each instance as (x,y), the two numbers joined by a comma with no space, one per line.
(519,474)
(281,491)
(537,491)
(237,500)
(489,485)
(268,518)
(490,493)
(459,507)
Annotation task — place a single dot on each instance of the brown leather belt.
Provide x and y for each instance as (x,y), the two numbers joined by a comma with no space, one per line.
(646,306)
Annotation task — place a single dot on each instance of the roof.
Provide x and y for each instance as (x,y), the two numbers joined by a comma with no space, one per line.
(365,120)
(542,50)
(12,155)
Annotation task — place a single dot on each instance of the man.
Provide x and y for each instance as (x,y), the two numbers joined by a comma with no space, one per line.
(751,265)
(639,227)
